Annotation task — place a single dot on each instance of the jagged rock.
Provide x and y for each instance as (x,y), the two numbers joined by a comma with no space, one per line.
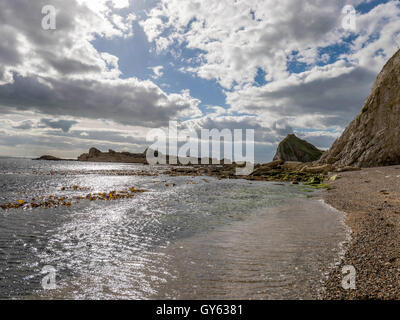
(267,167)
(93,152)
(294,149)
(293,165)
(83,157)
(373,138)
(318,169)
(96,155)
(273,165)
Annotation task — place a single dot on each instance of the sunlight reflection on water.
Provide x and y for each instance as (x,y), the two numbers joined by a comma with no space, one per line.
(197,239)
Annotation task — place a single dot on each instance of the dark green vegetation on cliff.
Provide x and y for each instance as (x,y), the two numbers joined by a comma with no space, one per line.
(294,149)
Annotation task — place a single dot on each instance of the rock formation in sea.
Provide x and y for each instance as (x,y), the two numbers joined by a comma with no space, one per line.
(96,155)
(49,158)
(294,149)
(373,138)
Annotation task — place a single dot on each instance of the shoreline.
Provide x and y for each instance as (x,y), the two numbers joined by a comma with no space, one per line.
(371,201)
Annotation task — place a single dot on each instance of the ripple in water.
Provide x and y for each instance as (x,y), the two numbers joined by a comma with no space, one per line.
(227,239)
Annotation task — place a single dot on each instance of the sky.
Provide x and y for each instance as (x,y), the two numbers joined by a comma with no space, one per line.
(112,70)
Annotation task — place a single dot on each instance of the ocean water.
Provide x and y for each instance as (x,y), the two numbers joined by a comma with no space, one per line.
(185,238)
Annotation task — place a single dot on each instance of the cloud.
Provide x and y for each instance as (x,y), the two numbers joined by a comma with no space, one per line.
(123,139)
(237,38)
(324,96)
(64,125)
(321,139)
(60,73)
(31,145)
(127,101)
(24,125)
(378,36)
(317,75)
(158,72)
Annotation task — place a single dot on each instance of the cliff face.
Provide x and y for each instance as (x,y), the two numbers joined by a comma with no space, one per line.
(96,155)
(373,138)
(294,149)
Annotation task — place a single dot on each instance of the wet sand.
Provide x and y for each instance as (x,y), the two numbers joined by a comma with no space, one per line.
(371,199)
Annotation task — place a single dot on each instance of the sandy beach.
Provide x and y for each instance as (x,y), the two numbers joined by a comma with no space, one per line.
(371,199)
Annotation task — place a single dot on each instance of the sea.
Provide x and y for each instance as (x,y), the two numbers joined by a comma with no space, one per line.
(183,238)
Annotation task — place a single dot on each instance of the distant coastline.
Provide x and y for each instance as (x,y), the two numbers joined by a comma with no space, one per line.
(51,158)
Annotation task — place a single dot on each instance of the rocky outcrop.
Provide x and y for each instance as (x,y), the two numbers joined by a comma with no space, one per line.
(373,138)
(96,155)
(294,149)
(49,158)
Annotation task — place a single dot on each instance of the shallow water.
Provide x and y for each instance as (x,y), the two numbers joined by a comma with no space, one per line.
(201,238)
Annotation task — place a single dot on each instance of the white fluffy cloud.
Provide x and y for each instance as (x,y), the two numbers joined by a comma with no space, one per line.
(65,87)
(378,36)
(60,73)
(237,39)
(158,72)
